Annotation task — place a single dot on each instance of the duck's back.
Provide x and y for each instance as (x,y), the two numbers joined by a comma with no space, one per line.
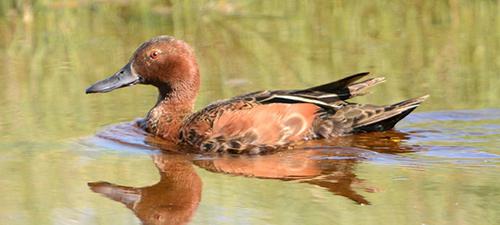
(266,120)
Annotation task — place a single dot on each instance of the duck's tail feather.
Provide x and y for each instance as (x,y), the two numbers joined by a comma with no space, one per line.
(387,116)
(341,89)
(360,88)
(336,85)
(328,95)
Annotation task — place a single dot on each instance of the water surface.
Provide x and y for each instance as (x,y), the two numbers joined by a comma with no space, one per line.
(58,147)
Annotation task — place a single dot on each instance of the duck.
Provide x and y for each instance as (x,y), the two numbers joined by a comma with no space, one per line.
(252,123)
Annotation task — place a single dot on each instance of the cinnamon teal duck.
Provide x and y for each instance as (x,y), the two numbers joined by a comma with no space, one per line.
(252,123)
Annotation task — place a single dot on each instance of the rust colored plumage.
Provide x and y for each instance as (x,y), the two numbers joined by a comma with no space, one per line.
(251,123)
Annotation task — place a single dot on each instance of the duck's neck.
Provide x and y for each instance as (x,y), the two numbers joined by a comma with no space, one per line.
(170,110)
(174,104)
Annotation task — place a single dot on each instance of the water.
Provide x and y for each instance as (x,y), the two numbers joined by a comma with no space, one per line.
(58,147)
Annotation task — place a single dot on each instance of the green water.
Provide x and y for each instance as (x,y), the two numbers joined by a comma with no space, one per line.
(440,167)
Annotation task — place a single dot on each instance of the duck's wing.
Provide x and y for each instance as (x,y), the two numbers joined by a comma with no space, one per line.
(326,96)
(256,121)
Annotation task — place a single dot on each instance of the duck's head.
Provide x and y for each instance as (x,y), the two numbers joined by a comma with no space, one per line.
(165,62)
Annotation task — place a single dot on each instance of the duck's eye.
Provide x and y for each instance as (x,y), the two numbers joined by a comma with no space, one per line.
(154,54)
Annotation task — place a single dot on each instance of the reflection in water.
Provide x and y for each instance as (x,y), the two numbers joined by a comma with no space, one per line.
(176,196)
(328,167)
(172,200)
(333,170)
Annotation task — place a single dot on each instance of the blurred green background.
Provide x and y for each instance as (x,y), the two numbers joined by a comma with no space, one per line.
(50,51)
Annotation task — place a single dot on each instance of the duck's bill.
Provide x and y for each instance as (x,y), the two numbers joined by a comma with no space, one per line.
(123,78)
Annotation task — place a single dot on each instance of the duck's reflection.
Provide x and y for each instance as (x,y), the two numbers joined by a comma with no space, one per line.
(174,199)
(328,167)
